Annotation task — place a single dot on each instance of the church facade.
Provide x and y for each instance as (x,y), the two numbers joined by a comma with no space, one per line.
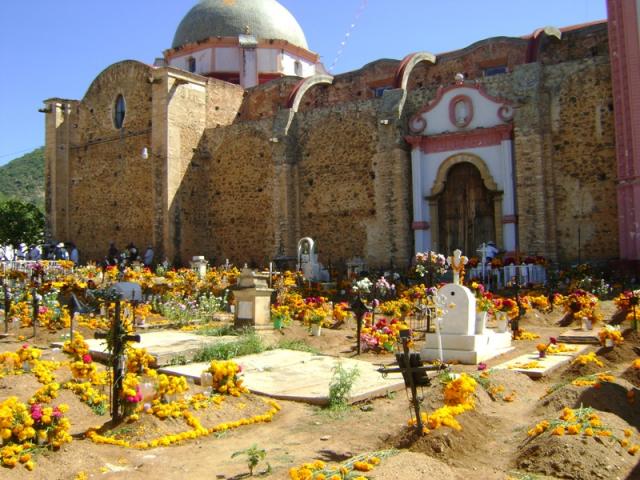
(237,143)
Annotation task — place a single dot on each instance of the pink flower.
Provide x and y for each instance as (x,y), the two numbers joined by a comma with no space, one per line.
(86,358)
(482,366)
(36,412)
(553,340)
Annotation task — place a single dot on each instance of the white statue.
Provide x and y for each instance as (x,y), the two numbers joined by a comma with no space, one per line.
(457,263)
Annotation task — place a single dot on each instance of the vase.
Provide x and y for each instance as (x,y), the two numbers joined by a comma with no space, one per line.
(502,322)
(316,329)
(481,322)
(278,324)
(586,324)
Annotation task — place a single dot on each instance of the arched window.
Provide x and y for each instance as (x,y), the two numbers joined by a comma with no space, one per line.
(297,68)
(119,112)
(191,62)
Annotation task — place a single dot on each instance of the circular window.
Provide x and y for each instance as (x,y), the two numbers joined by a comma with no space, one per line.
(119,112)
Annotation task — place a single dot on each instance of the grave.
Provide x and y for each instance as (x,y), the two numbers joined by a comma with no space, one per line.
(253,301)
(545,366)
(165,346)
(459,339)
(580,336)
(300,376)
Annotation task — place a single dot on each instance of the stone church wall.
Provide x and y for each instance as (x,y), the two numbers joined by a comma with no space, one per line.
(110,192)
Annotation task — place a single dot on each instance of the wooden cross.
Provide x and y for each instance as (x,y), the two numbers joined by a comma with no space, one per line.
(413,373)
(359,308)
(7,306)
(117,340)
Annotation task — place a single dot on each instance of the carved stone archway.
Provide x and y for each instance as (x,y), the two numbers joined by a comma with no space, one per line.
(438,188)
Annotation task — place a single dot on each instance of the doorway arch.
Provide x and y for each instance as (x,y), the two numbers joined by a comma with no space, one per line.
(465,205)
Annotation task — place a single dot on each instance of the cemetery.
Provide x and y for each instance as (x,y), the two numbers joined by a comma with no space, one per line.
(425,268)
(129,372)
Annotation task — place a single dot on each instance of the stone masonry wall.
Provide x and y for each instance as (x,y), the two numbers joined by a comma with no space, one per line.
(110,186)
(227,198)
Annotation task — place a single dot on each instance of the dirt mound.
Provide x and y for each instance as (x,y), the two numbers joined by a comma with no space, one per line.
(422,467)
(459,448)
(632,375)
(578,457)
(622,353)
(608,397)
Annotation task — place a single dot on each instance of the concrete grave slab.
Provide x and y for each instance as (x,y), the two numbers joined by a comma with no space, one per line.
(546,364)
(300,376)
(164,346)
(580,336)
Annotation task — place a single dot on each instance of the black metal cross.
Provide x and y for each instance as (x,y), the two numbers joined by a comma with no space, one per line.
(413,373)
(359,308)
(7,306)
(117,340)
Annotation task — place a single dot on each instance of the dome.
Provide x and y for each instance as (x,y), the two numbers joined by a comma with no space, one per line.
(265,19)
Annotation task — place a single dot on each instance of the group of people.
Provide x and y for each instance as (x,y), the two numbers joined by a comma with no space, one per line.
(128,256)
(48,251)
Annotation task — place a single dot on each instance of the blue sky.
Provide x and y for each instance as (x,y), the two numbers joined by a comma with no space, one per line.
(55,48)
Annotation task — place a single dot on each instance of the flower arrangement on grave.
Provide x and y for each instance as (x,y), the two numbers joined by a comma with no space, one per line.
(316,311)
(76,347)
(50,424)
(83,370)
(396,308)
(496,263)
(340,312)
(458,395)
(430,264)
(28,354)
(542,349)
(138,360)
(280,315)
(506,305)
(611,333)
(22,312)
(585,422)
(350,469)
(383,335)
(383,289)
(226,377)
(539,302)
(587,358)
(130,394)
(580,304)
(484,299)
(169,387)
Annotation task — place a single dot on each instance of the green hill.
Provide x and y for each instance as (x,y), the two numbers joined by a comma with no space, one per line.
(23,178)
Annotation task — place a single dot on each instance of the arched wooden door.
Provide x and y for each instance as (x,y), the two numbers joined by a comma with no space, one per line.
(465,211)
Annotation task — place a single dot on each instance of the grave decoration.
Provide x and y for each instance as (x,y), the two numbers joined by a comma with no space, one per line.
(460,338)
(117,339)
(413,373)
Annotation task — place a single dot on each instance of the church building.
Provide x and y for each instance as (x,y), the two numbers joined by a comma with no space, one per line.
(237,143)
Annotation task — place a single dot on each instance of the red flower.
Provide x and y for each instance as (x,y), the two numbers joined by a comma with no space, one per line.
(86,358)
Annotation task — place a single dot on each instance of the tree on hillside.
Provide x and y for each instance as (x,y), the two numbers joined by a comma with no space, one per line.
(20,222)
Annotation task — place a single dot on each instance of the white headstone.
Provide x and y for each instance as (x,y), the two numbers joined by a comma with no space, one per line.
(460,306)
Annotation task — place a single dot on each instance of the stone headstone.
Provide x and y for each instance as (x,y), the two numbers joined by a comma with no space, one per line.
(460,305)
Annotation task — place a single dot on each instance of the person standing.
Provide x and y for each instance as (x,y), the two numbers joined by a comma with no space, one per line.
(148,256)
(61,253)
(74,256)
(112,254)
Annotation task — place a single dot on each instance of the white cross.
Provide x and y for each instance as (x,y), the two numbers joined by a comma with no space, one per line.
(483,253)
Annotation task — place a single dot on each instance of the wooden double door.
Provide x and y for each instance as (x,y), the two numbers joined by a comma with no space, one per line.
(466,215)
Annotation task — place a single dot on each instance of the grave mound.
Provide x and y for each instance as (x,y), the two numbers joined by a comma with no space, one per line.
(608,397)
(576,456)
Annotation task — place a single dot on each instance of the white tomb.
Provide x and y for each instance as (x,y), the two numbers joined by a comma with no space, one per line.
(458,336)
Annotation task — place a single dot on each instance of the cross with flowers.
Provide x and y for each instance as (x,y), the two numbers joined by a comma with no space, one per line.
(117,339)
(413,373)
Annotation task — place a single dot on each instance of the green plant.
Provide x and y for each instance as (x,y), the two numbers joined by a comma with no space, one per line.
(223,331)
(254,456)
(246,344)
(298,345)
(340,387)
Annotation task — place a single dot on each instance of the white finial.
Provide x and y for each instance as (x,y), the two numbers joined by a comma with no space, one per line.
(459,78)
